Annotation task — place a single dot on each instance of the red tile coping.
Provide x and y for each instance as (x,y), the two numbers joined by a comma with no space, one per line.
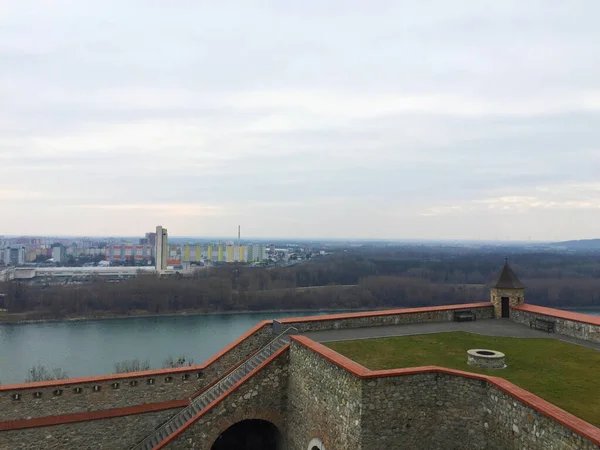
(218,400)
(566,419)
(145,373)
(559,313)
(258,327)
(92,415)
(385,312)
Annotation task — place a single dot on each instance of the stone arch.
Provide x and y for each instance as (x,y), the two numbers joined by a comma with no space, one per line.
(219,426)
(250,434)
(316,444)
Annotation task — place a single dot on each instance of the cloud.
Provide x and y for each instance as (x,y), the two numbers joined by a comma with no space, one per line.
(341,119)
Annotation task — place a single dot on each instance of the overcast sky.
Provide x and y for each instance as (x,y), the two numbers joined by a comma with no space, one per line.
(362,119)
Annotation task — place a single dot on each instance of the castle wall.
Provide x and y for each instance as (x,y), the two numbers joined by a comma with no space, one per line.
(324,403)
(100,393)
(421,408)
(387,318)
(262,396)
(511,424)
(423,411)
(580,326)
(113,433)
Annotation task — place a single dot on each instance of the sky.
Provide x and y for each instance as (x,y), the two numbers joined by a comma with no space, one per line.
(350,119)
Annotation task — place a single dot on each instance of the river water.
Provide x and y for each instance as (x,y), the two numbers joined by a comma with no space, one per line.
(85,348)
(91,347)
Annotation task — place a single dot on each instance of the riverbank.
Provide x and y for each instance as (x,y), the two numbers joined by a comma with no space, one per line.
(26,318)
(21,318)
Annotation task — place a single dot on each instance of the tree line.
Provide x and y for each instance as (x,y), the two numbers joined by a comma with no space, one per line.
(363,278)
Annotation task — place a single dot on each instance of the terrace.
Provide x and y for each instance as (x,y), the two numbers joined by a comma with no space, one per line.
(559,369)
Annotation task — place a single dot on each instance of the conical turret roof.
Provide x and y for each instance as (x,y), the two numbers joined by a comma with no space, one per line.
(508,279)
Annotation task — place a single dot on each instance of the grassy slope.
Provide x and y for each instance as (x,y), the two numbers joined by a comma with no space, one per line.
(564,374)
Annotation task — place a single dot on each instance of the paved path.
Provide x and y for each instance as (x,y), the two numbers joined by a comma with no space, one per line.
(488,327)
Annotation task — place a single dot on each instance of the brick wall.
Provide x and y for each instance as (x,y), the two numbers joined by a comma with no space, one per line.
(580,326)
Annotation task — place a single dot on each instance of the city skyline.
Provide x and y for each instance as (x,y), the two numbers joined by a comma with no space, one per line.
(471,120)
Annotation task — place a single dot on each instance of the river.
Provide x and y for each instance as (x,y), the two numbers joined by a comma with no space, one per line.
(85,348)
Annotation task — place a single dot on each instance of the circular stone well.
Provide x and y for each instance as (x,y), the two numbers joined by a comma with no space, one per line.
(486,359)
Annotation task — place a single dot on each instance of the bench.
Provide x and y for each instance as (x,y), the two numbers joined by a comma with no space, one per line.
(542,324)
(464,315)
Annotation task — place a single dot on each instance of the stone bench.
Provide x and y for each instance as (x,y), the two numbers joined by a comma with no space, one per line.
(542,324)
(464,315)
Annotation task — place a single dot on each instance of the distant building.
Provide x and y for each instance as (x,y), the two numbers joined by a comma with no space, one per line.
(14,255)
(162,249)
(151,238)
(59,253)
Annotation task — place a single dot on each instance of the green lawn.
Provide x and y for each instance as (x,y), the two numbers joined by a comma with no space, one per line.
(565,374)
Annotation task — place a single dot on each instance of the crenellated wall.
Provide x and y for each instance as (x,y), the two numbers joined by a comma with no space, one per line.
(580,326)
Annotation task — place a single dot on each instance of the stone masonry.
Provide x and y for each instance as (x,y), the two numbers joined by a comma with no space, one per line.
(433,410)
(441,314)
(324,403)
(580,330)
(118,433)
(66,398)
(515,297)
(263,396)
(311,396)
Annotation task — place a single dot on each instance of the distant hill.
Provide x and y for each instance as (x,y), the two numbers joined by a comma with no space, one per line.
(583,244)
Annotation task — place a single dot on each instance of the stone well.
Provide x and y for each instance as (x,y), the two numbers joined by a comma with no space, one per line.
(486,359)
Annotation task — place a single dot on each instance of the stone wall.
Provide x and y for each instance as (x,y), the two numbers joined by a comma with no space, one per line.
(513,425)
(324,402)
(428,408)
(263,396)
(383,318)
(98,393)
(564,321)
(423,411)
(108,434)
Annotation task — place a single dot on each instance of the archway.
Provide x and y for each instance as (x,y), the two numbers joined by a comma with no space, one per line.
(250,434)
(316,444)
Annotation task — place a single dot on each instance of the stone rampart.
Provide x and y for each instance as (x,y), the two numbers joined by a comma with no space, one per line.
(262,394)
(31,400)
(324,403)
(110,433)
(580,326)
(434,407)
(483,310)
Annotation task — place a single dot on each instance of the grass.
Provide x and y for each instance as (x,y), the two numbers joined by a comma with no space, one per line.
(564,374)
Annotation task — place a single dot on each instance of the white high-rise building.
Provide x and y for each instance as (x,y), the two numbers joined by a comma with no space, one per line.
(14,255)
(162,250)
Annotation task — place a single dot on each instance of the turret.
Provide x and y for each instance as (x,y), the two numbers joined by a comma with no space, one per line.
(507,291)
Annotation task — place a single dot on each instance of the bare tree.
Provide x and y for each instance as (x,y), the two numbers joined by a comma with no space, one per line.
(132,365)
(171,362)
(41,373)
